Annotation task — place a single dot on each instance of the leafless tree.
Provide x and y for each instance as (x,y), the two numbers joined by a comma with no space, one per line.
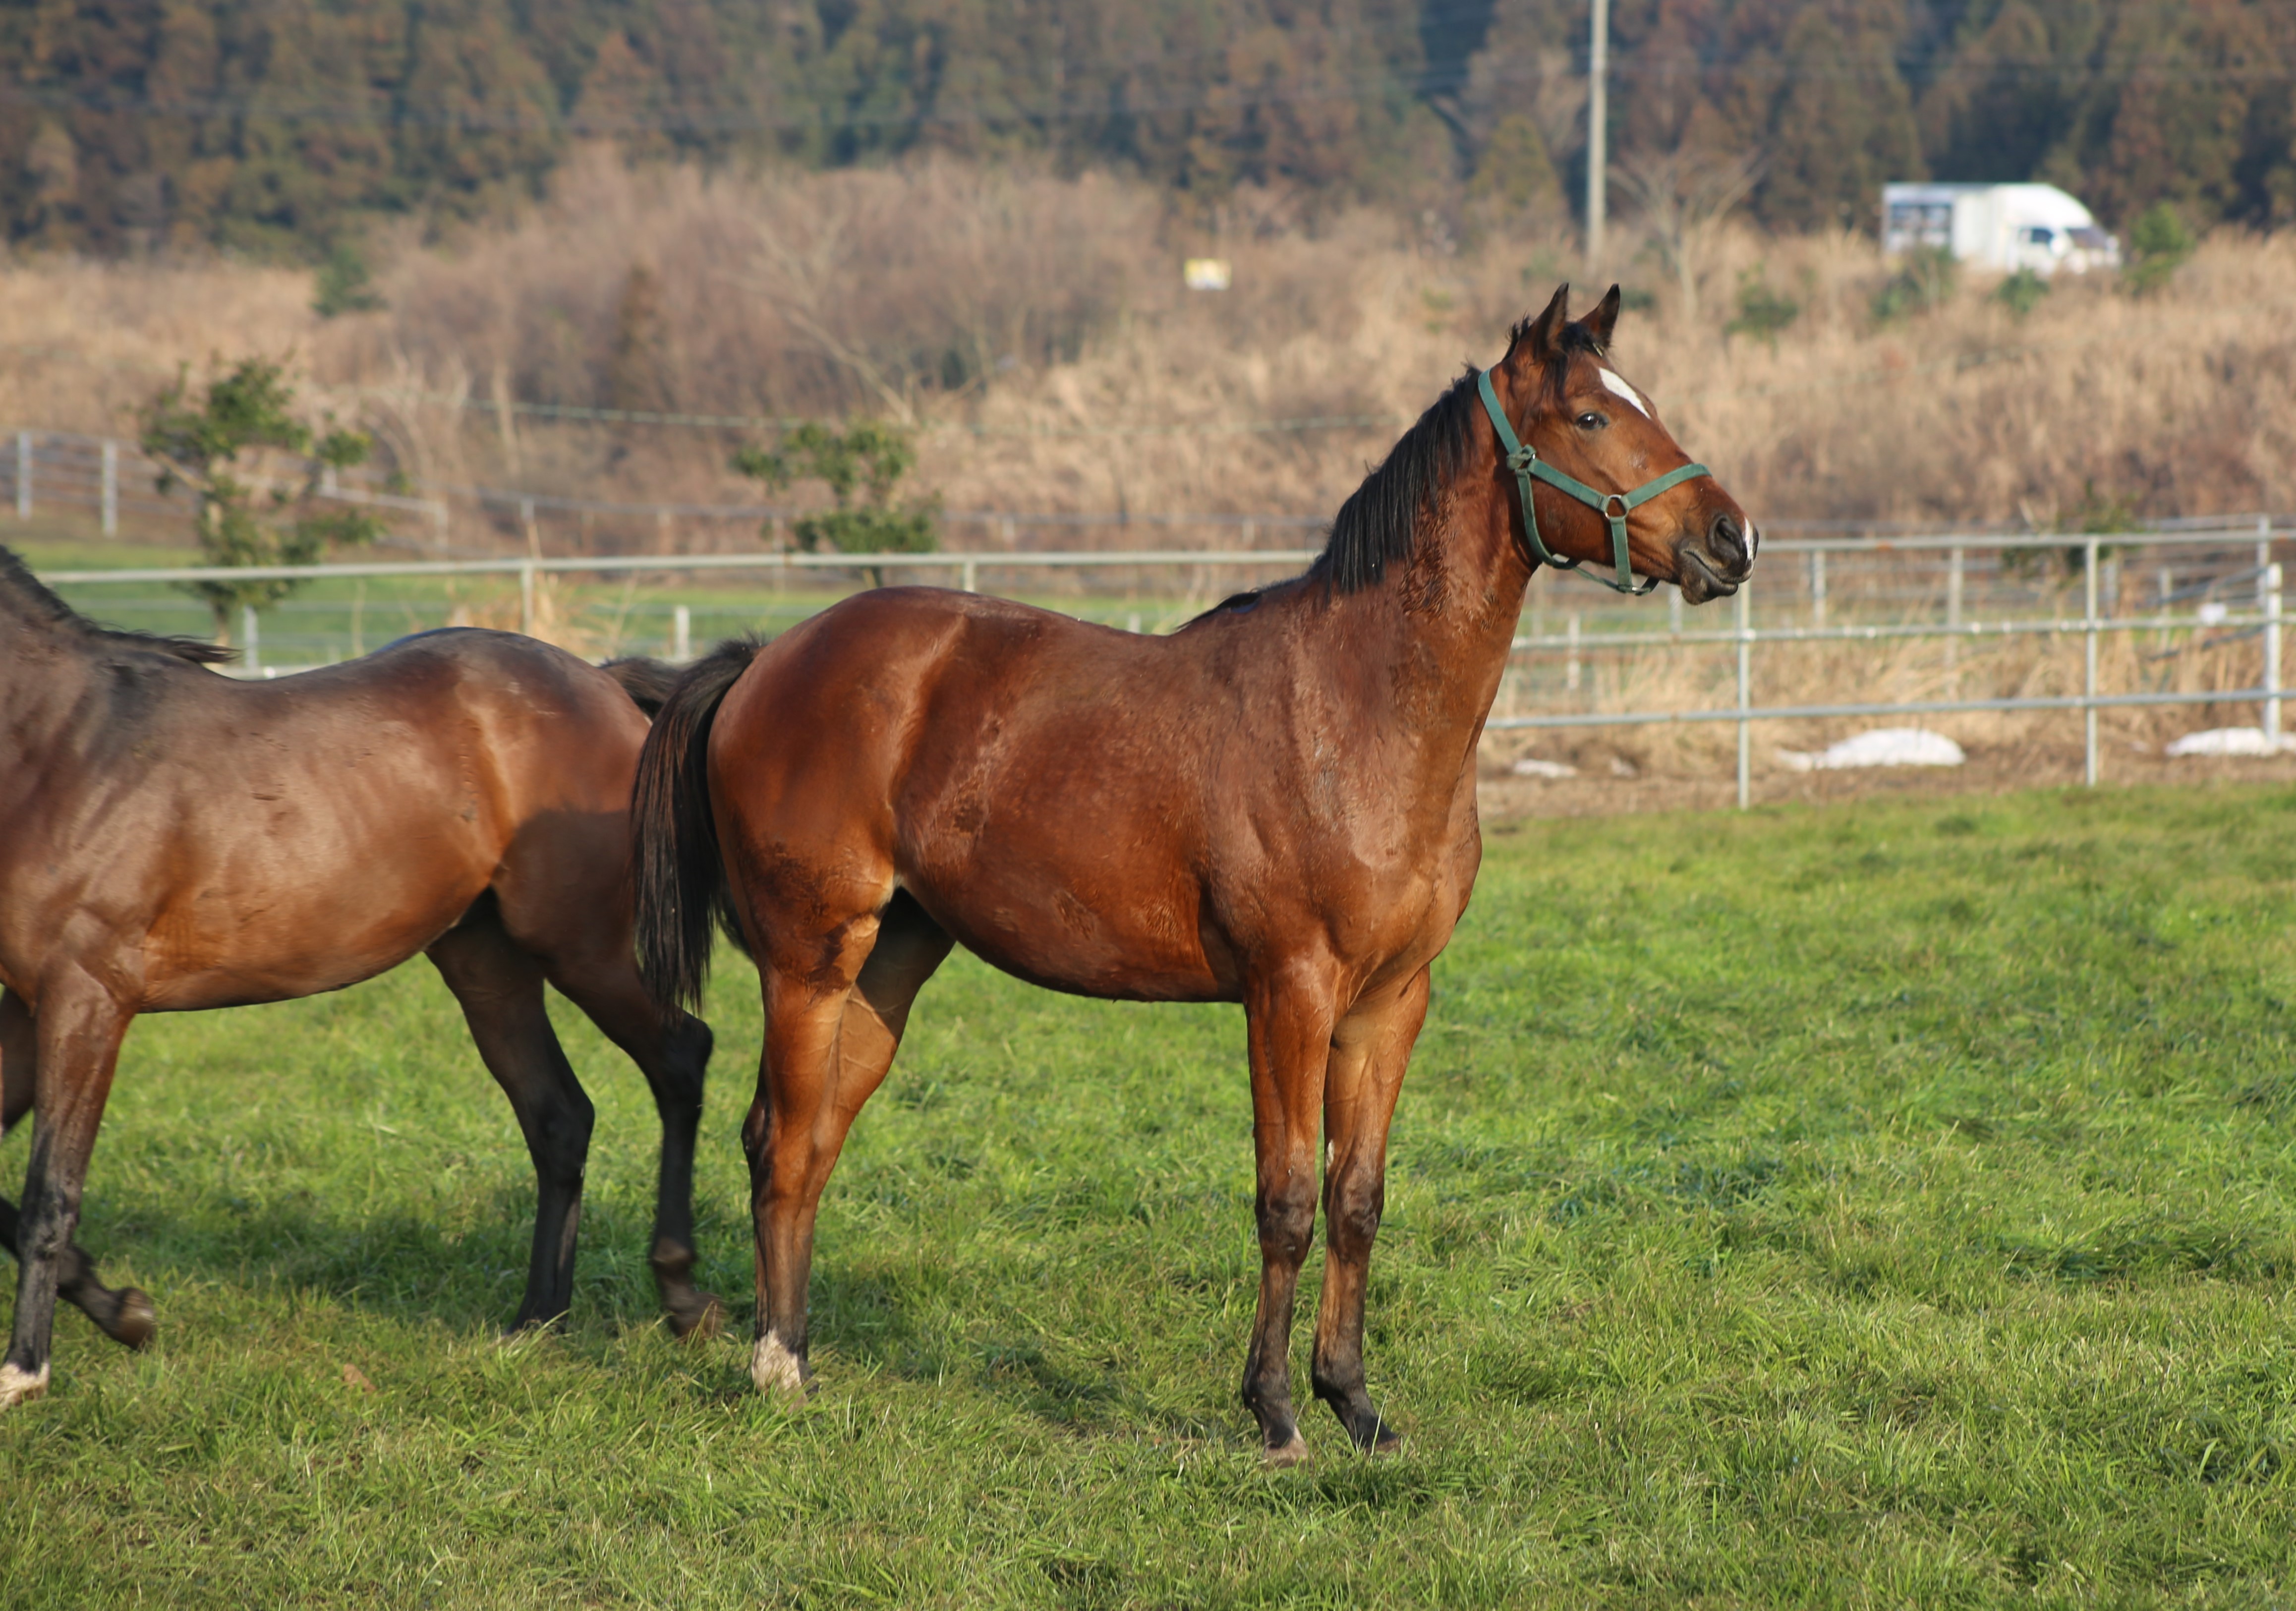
(1682,197)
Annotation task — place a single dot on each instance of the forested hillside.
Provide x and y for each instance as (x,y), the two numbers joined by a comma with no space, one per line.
(273,125)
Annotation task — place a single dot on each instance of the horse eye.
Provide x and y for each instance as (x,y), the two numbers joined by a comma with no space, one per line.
(1591,421)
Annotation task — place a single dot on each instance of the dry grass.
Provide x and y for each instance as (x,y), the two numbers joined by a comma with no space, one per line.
(1036,331)
(1033,327)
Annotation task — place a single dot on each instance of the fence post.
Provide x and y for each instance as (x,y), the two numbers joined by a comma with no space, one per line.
(110,488)
(1953,583)
(250,652)
(1570,665)
(681,634)
(1674,611)
(2272,655)
(23,475)
(1745,696)
(969,578)
(1817,587)
(525,598)
(2088,680)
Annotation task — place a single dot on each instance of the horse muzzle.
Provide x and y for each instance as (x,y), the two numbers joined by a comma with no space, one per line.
(1714,563)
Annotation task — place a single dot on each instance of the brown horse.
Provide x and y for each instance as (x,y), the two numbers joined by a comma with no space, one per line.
(177,840)
(1274,805)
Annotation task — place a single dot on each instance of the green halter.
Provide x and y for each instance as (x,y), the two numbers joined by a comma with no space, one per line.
(1615,506)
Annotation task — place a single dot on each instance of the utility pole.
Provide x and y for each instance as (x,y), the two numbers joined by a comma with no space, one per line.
(1598,113)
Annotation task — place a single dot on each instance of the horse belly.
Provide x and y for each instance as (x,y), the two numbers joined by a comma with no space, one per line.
(314,899)
(1075,929)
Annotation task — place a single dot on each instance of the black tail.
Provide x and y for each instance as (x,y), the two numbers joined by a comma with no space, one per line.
(649,683)
(680,882)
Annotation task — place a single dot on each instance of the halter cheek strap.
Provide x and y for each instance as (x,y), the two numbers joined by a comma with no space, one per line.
(1614,506)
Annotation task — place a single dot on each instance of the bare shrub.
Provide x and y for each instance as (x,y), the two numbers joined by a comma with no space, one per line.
(1033,329)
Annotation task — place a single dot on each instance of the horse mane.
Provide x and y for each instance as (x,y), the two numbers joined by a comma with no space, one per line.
(17,579)
(1380,522)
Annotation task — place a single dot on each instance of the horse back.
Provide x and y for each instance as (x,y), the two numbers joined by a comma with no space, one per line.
(232,841)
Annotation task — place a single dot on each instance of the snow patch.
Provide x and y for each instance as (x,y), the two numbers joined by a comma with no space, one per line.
(1531,765)
(2232,741)
(1881,747)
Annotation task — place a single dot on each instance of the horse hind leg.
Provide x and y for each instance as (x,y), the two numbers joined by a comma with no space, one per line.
(126,1316)
(827,1050)
(500,987)
(673,1052)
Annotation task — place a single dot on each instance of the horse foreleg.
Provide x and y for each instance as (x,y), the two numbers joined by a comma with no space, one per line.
(826,1055)
(500,988)
(76,1037)
(124,1316)
(1289,1027)
(673,1053)
(1369,1053)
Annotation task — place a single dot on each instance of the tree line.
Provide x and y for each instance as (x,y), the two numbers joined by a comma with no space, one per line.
(278,127)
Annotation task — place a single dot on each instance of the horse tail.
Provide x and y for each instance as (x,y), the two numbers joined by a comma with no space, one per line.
(649,683)
(680,879)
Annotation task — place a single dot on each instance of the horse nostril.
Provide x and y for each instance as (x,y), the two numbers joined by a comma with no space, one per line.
(1726,542)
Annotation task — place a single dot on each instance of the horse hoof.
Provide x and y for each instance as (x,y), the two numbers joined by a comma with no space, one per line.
(698,1319)
(134,1323)
(1292,1453)
(777,1372)
(18,1384)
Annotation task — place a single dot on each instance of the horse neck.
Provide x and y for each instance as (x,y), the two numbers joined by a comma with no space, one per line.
(1443,623)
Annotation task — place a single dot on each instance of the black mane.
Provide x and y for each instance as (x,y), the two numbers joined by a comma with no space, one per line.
(17,579)
(1380,521)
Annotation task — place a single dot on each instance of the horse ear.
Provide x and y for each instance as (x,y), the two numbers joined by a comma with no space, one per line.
(1542,336)
(1602,317)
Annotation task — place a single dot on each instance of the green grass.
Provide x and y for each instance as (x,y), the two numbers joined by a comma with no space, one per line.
(1892,1204)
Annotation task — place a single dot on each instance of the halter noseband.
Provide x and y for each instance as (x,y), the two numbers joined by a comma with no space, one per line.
(1614,506)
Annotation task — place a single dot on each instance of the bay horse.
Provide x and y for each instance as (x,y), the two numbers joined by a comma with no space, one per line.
(178,840)
(1274,805)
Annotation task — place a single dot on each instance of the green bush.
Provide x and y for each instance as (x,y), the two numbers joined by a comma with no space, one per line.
(861,466)
(215,444)
(2022,291)
(2157,246)
(343,285)
(1763,311)
(1924,280)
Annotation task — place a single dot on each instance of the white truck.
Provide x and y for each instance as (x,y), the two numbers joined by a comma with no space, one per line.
(2003,227)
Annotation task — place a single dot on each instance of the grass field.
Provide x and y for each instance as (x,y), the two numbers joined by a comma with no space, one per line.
(1888,1205)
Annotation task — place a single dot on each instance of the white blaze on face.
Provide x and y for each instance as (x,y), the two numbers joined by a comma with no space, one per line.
(1613,380)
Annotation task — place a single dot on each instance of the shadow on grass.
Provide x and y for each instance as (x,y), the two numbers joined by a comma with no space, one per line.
(396,1265)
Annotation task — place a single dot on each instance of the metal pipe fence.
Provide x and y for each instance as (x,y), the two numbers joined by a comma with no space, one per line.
(1971,591)
(2202,553)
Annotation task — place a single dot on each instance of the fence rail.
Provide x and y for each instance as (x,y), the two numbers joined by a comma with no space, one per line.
(1813,579)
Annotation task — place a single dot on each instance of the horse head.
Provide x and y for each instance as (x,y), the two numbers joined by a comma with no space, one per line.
(1611,478)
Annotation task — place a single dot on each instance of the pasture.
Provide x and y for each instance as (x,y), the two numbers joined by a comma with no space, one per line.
(1891,1203)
